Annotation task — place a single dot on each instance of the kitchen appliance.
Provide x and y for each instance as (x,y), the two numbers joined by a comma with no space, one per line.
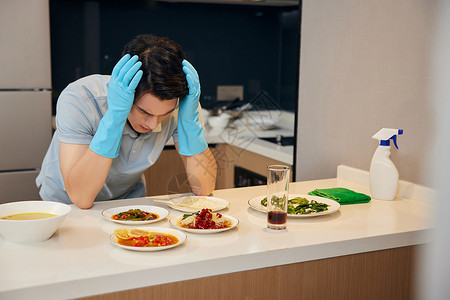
(25,96)
(244,177)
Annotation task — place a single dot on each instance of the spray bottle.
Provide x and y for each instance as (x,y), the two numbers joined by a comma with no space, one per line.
(383,173)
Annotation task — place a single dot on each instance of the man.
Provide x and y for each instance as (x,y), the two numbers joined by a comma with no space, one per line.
(110,129)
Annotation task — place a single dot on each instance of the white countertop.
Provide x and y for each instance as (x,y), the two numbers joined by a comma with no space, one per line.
(243,134)
(79,259)
(252,143)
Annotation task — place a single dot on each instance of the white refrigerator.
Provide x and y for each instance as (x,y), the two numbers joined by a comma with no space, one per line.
(25,96)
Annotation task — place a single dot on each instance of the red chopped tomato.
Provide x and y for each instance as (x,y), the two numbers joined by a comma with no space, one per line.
(203,220)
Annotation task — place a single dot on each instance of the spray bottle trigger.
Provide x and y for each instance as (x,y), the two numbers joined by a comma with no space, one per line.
(394,139)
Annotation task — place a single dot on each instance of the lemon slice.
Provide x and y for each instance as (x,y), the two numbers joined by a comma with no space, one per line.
(125,233)
(138,232)
(122,233)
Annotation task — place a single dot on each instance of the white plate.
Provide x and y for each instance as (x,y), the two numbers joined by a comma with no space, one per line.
(175,221)
(181,236)
(255,203)
(215,204)
(161,212)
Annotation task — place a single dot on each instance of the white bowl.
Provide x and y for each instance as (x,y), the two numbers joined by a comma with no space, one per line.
(30,231)
(219,121)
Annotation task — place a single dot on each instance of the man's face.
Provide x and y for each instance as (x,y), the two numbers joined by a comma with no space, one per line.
(149,111)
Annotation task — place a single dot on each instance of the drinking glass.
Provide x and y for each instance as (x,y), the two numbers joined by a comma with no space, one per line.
(277,196)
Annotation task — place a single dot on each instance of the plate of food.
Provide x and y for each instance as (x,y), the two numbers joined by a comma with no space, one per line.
(196,203)
(135,214)
(300,206)
(204,222)
(147,239)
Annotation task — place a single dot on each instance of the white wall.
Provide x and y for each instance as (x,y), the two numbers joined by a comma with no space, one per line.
(380,63)
(363,66)
(435,271)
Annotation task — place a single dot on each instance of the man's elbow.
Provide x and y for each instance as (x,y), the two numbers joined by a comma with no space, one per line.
(82,201)
(203,190)
(84,205)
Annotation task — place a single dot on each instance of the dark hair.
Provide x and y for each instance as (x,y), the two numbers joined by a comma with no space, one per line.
(161,63)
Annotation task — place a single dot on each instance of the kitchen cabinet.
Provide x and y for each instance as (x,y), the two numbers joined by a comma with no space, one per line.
(168,176)
(25,96)
(385,274)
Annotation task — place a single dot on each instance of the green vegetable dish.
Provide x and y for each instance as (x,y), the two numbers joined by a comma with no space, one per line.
(135,215)
(301,206)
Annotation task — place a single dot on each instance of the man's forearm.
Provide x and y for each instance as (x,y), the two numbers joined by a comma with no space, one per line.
(201,171)
(84,175)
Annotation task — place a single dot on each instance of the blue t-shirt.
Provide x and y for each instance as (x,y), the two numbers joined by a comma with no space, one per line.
(80,108)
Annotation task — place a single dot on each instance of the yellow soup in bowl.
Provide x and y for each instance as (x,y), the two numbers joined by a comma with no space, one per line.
(28,216)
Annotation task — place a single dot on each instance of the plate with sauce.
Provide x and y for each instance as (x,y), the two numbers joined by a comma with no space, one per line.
(176,238)
(146,214)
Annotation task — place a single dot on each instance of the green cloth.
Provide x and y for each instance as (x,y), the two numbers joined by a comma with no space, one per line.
(341,195)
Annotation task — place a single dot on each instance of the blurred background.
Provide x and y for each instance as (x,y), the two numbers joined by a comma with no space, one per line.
(252,46)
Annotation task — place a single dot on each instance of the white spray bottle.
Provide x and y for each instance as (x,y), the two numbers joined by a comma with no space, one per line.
(383,173)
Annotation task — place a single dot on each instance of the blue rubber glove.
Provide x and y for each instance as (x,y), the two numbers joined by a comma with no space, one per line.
(191,139)
(124,79)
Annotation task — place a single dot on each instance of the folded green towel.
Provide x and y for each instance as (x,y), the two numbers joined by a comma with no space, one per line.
(341,195)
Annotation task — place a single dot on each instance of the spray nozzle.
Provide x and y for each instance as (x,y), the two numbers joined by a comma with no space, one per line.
(387,134)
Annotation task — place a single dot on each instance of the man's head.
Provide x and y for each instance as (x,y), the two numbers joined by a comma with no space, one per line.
(161,64)
(163,82)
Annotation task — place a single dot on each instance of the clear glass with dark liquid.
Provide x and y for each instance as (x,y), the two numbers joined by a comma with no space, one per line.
(276,217)
(277,196)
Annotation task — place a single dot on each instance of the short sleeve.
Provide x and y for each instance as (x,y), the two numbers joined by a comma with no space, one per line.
(77,117)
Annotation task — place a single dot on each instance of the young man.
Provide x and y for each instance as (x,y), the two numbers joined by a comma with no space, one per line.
(110,129)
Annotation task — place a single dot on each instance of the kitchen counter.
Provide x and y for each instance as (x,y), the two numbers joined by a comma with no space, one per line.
(79,259)
(252,143)
(245,133)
